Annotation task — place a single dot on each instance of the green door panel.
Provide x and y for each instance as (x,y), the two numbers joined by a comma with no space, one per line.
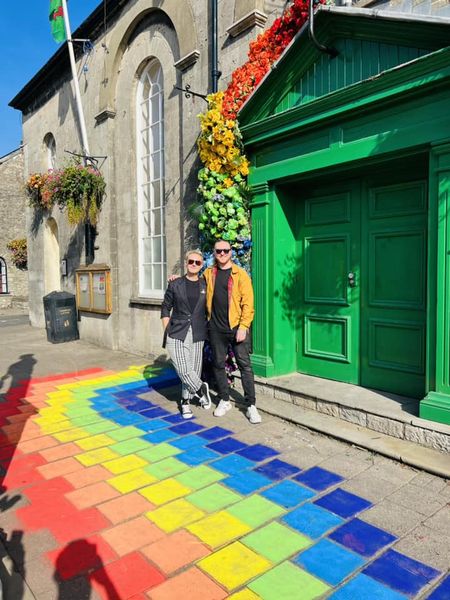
(328,327)
(393,292)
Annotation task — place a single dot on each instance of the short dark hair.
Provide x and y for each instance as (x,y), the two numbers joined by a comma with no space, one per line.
(221,240)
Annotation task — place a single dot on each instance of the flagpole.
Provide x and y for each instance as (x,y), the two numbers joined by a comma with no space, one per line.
(84,139)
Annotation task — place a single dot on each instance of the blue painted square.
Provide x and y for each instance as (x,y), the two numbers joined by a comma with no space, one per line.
(442,592)
(156,412)
(258,452)
(153,425)
(245,483)
(343,503)
(197,456)
(227,446)
(175,419)
(140,405)
(215,433)
(128,419)
(401,573)
(312,520)
(189,441)
(329,562)
(362,538)
(288,494)
(186,428)
(364,588)
(232,464)
(277,469)
(162,435)
(318,479)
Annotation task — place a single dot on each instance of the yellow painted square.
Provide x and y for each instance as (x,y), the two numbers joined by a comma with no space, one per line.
(234,565)
(165,491)
(59,394)
(51,428)
(71,435)
(218,528)
(96,441)
(124,464)
(174,515)
(50,414)
(133,480)
(244,594)
(95,457)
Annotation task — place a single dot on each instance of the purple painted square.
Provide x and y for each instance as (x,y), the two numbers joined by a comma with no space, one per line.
(362,538)
(277,469)
(343,503)
(401,573)
(258,452)
(153,413)
(186,428)
(318,479)
(365,588)
(442,592)
(227,446)
(139,406)
(215,433)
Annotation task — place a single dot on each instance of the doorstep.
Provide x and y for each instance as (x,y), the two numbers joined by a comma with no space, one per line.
(352,413)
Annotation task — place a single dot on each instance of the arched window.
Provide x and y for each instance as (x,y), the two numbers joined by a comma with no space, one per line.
(50,148)
(150,180)
(3,277)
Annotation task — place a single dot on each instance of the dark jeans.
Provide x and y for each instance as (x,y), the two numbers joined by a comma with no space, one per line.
(219,342)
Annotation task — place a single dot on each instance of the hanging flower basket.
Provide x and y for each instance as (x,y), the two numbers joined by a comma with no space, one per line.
(19,254)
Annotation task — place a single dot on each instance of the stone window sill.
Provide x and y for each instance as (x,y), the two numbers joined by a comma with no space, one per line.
(137,301)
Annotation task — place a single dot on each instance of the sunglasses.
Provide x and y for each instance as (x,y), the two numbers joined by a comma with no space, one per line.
(222,250)
(197,263)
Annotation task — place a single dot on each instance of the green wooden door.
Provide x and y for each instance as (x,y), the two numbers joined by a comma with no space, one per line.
(329,247)
(362,315)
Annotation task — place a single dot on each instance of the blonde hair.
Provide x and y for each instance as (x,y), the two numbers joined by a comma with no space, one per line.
(195,251)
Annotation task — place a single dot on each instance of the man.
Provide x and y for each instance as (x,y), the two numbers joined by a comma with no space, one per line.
(230,310)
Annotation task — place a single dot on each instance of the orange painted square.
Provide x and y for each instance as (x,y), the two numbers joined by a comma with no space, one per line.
(93,494)
(60,451)
(189,585)
(132,535)
(86,476)
(175,551)
(123,508)
(38,444)
(59,468)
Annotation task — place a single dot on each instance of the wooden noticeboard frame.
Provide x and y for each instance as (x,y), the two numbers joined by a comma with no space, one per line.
(94,289)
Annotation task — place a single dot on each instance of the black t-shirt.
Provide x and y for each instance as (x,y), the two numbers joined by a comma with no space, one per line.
(219,316)
(193,293)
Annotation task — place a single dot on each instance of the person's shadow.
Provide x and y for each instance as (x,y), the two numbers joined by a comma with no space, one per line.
(12,574)
(80,557)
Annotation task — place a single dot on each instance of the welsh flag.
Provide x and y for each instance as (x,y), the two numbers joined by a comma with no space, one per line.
(56,17)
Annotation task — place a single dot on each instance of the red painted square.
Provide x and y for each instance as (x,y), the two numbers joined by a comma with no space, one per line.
(125,577)
(81,556)
(82,524)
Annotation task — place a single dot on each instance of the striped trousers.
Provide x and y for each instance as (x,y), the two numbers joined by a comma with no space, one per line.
(187,357)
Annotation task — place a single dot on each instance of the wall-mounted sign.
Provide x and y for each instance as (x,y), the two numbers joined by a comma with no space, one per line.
(64,267)
(94,289)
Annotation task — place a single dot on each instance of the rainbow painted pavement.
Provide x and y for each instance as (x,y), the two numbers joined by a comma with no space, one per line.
(141,504)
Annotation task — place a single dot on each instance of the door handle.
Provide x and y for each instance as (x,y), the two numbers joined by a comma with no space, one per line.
(351,279)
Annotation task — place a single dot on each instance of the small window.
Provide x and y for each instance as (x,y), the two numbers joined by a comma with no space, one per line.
(50,147)
(3,277)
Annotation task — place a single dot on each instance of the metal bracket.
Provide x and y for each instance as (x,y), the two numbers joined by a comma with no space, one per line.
(188,92)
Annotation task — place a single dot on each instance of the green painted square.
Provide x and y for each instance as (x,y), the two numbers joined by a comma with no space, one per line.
(85,420)
(158,452)
(166,468)
(214,497)
(101,426)
(126,433)
(130,446)
(276,542)
(80,411)
(199,477)
(256,510)
(288,581)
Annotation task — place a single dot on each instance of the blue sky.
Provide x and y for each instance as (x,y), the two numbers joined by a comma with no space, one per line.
(27,45)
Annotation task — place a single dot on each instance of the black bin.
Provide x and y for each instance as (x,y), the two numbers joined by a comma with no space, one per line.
(61,317)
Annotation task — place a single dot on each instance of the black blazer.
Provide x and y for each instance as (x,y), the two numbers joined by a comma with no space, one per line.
(176,306)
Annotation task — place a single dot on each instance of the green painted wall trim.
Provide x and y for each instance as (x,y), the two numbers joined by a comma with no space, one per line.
(435,407)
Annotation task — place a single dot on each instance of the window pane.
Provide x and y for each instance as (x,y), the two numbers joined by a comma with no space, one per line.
(145,137)
(147,250)
(155,112)
(157,277)
(145,109)
(156,185)
(147,225)
(145,169)
(157,222)
(157,251)
(146,191)
(156,134)
(156,165)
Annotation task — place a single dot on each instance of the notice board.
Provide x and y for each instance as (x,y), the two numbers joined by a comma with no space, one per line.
(93,284)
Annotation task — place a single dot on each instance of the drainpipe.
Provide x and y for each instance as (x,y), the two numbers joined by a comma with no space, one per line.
(215,73)
(328,49)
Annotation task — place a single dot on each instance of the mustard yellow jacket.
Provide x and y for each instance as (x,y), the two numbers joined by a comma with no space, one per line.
(240,296)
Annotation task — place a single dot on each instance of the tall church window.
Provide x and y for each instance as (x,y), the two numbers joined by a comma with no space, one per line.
(50,149)
(3,277)
(151,203)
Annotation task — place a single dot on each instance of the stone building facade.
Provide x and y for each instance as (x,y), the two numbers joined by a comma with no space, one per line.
(148,131)
(13,281)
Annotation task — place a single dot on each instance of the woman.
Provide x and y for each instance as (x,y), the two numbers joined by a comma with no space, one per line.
(183,316)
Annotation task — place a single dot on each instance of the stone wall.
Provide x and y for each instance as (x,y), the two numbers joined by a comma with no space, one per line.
(12,225)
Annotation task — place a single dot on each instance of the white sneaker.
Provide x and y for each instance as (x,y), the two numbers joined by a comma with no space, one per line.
(205,398)
(253,415)
(186,411)
(222,408)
